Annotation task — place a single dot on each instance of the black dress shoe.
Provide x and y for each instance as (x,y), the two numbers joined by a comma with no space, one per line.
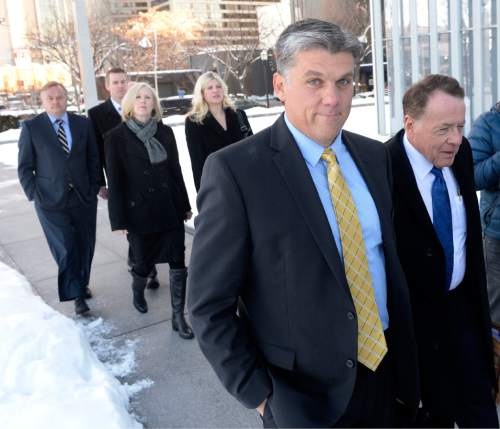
(81,306)
(88,293)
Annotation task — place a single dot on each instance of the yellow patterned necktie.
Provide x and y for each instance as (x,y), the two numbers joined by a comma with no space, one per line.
(371,340)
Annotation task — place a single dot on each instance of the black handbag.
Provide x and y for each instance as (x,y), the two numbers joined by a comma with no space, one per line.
(244,128)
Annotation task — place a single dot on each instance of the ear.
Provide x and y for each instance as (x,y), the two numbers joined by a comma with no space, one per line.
(279,86)
(408,124)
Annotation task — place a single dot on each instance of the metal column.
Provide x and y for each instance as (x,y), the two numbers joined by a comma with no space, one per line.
(456,40)
(378,63)
(397,72)
(87,74)
(434,36)
(415,62)
(477,59)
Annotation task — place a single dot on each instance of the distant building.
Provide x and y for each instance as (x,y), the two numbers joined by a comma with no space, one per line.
(226,22)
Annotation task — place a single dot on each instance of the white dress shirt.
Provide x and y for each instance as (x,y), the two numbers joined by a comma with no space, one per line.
(422,170)
(117,106)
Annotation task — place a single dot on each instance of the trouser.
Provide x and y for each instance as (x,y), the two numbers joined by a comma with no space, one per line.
(492,259)
(71,235)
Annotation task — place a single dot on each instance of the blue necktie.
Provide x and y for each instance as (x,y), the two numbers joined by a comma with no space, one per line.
(441,213)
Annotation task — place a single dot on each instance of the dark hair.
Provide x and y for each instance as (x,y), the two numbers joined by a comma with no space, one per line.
(416,96)
(313,34)
(114,70)
(51,84)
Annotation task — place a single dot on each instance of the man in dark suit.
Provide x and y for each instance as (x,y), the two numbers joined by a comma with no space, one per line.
(104,118)
(438,235)
(59,171)
(294,255)
(107,115)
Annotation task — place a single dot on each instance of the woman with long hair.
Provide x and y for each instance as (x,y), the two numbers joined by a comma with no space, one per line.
(213,122)
(147,197)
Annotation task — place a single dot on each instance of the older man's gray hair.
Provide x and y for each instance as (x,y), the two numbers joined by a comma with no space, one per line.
(313,34)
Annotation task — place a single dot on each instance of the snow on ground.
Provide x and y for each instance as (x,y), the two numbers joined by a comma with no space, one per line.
(49,374)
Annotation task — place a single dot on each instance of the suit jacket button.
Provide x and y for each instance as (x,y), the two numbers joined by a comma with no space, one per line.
(147,172)
(350,315)
(151,189)
(429,252)
(349,363)
(164,185)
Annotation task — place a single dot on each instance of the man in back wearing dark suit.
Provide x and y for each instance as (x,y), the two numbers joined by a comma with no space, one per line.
(59,170)
(438,235)
(104,118)
(296,293)
(107,115)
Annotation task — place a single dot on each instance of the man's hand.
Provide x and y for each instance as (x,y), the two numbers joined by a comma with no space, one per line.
(261,407)
(103,192)
(121,231)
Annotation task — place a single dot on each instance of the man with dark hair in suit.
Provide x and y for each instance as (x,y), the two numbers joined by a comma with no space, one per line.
(296,294)
(104,118)
(107,115)
(59,171)
(438,235)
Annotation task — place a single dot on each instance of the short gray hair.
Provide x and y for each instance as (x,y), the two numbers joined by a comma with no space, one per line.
(313,34)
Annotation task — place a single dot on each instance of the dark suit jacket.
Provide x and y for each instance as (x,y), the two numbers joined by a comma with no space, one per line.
(203,139)
(104,118)
(144,197)
(262,240)
(45,170)
(422,259)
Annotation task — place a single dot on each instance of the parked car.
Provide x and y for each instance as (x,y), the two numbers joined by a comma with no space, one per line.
(176,105)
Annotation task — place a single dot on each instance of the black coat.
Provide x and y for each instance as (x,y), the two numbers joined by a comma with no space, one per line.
(144,197)
(294,337)
(45,170)
(422,259)
(203,139)
(104,118)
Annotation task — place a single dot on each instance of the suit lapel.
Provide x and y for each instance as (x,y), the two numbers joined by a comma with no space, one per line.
(212,123)
(111,113)
(467,192)
(293,169)
(75,133)
(406,185)
(362,161)
(50,134)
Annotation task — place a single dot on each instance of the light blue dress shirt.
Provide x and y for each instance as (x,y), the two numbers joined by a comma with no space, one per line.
(65,125)
(367,211)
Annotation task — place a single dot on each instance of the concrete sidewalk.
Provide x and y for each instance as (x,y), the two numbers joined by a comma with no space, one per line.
(186,392)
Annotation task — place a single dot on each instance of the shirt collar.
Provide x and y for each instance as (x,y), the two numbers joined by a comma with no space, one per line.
(311,150)
(53,119)
(116,105)
(421,165)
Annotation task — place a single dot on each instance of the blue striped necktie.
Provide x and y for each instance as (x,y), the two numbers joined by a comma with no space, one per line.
(441,213)
(61,136)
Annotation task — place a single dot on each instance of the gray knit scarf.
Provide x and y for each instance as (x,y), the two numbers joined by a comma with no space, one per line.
(145,133)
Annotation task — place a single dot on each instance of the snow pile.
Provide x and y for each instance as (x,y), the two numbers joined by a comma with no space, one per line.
(49,375)
(8,154)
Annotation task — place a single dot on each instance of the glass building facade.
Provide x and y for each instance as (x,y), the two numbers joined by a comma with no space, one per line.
(418,37)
